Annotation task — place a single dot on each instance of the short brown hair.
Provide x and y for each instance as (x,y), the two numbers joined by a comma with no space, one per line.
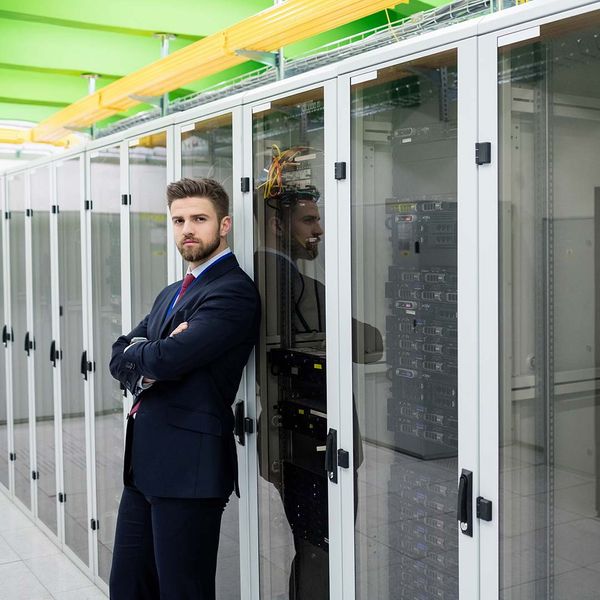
(200,188)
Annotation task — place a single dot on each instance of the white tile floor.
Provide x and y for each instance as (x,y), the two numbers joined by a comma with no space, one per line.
(32,567)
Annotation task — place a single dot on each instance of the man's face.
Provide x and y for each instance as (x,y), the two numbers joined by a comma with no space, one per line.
(305,230)
(198,233)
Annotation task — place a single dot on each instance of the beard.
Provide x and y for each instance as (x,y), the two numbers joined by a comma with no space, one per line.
(309,250)
(200,252)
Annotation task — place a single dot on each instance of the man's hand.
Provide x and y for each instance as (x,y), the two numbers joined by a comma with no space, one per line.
(181,327)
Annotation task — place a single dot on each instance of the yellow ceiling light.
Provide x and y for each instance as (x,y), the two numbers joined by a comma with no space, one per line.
(8,135)
(268,30)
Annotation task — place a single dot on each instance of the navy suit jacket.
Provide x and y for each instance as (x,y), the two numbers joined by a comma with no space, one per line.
(182,445)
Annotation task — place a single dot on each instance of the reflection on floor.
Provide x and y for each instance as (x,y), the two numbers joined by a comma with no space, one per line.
(34,568)
(575,534)
(406,531)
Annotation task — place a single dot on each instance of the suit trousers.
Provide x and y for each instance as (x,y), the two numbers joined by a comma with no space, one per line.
(165,548)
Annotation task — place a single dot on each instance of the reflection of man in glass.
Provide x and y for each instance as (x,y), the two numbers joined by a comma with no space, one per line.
(293,232)
(295,326)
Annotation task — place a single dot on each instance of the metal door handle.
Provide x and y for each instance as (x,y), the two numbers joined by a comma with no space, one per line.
(238,428)
(465,503)
(331,456)
(84,364)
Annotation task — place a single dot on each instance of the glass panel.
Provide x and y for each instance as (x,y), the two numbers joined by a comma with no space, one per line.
(42,330)
(288,144)
(4,449)
(68,185)
(148,222)
(206,151)
(107,327)
(18,302)
(404,279)
(549,101)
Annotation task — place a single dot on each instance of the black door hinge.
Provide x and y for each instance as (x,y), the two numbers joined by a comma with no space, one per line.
(245,184)
(35,475)
(62,497)
(94,524)
(483,153)
(343,459)
(12,456)
(248,425)
(28,212)
(484,509)
(243,425)
(28,343)
(55,209)
(88,205)
(340,170)
(126,199)
(7,215)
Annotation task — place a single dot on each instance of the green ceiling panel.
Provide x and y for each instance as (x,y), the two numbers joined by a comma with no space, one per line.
(192,17)
(50,46)
(45,45)
(26,112)
(51,87)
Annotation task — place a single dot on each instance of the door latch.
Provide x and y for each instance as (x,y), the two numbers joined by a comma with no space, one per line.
(465,503)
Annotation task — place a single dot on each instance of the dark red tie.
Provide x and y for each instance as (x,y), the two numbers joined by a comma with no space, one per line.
(187,280)
(184,286)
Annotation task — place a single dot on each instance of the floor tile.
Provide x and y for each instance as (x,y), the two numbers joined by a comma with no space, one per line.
(7,554)
(57,573)
(17,582)
(31,543)
(89,593)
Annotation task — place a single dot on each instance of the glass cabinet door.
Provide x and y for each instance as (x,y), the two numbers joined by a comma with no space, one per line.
(4,448)
(549,331)
(18,304)
(45,462)
(107,327)
(404,292)
(207,151)
(287,146)
(70,201)
(148,222)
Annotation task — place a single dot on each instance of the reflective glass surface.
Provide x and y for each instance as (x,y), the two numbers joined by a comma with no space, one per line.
(206,151)
(4,449)
(45,462)
(289,270)
(404,306)
(549,105)
(107,327)
(148,222)
(18,323)
(70,200)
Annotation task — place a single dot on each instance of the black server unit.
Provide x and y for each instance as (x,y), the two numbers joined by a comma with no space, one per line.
(421,349)
(301,411)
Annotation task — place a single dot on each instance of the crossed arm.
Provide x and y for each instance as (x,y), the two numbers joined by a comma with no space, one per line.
(223,321)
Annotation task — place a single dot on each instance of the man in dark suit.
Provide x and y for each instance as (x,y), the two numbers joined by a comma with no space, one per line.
(183,363)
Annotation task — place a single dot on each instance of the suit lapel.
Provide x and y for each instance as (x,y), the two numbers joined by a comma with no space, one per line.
(158,314)
(182,309)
